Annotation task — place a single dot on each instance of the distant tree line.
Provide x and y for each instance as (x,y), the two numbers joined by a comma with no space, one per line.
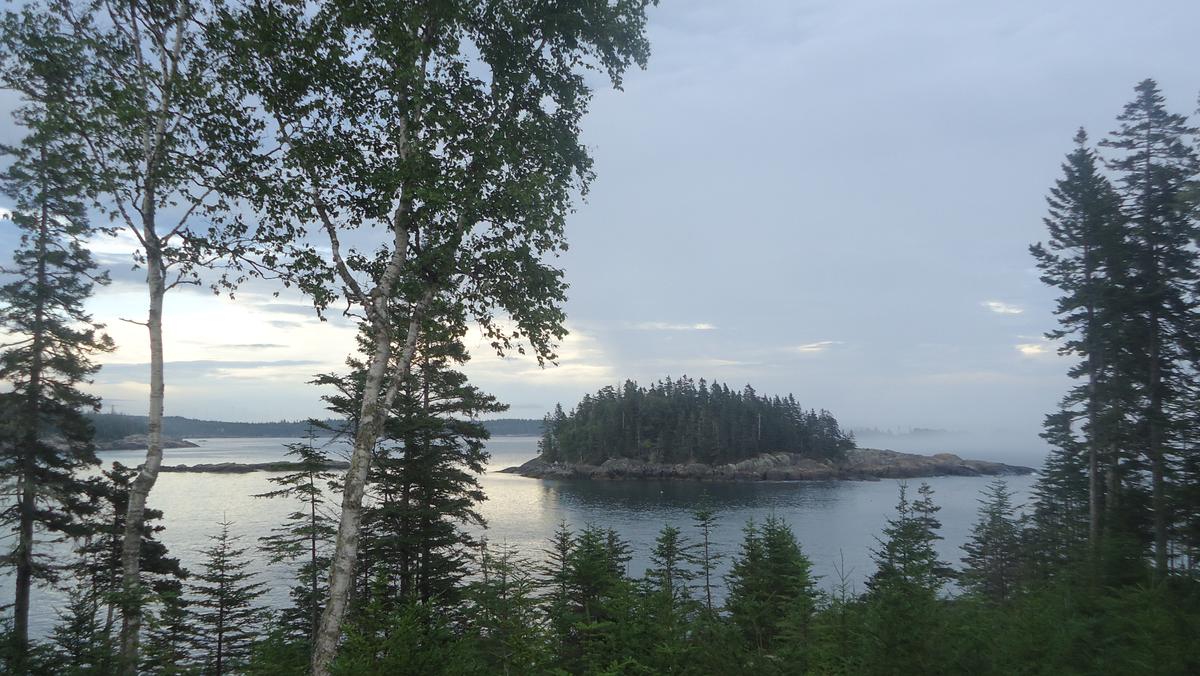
(683,421)
(111,426)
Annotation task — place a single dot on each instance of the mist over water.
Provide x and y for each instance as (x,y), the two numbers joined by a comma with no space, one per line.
(835,521)
(1023,448)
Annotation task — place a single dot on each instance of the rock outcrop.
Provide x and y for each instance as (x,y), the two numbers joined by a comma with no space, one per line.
(861,464)
(244,467)
(139,442)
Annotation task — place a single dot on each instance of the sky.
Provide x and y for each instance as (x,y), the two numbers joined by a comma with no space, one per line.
(833,199)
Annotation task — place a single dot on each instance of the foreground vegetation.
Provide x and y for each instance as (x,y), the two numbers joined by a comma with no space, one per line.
(443,138)
(465,608)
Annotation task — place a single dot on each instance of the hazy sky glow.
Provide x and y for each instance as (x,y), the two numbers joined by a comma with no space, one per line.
(829,198)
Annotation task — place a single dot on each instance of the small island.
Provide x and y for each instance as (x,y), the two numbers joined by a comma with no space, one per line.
(139,442)
(684,429)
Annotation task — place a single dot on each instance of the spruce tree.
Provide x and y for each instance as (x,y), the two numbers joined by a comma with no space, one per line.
(1085,259)
(554,580)
(901,602)
(170,636)
(45,439)
(1156,165)
(506,624)
(226,619)
(704,518)
(992,563)
(100,547)
(770,583)
(907,556)
(306,536)
(668,606)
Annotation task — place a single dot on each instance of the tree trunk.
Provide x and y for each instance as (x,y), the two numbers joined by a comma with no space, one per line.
(372,412)
(139,489)
(1093,451)
(33,414)
(313,571)
(24,567)
(1157,471)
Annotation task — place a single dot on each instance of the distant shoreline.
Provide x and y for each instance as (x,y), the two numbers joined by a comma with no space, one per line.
(113,429)
(862,464)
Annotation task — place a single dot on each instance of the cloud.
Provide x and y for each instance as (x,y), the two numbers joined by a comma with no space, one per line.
(1002,308)
(1033,349)
(183,371)
(819,346)
(581,360)
(667,326)
(288,308)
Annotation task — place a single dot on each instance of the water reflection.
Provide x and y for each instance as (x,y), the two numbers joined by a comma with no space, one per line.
(835,521)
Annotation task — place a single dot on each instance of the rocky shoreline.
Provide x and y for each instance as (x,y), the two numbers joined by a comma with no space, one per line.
(139,442)
(244,467)
(861,464)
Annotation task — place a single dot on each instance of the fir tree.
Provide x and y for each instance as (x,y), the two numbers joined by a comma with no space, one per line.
(676,421)
(80,644)
(99,550)
(170,637)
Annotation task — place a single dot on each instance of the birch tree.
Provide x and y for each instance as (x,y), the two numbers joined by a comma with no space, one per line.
(161,141)
(428,150)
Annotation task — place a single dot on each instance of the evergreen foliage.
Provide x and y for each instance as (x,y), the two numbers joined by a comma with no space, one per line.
(50,341)
(306,536)
(1122,253)
(770,585)
(225,616)
(425,477)
(682,421)
(992,564)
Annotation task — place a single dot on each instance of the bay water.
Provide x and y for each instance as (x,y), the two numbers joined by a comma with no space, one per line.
(836,522)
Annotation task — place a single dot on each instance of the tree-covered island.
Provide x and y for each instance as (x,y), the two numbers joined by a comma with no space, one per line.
(687,429)
(686,421)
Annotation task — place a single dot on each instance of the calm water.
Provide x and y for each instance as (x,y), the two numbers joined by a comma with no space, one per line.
(835,521)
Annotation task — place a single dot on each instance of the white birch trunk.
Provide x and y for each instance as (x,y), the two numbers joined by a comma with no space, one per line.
(139,490)
(373,412)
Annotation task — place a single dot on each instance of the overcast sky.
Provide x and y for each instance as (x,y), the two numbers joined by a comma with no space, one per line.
(829,198)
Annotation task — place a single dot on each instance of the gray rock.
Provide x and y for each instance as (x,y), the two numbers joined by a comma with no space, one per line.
(859,464)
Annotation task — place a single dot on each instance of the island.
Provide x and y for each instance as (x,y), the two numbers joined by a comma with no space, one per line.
(139,442)
(685,429)
(244,467)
